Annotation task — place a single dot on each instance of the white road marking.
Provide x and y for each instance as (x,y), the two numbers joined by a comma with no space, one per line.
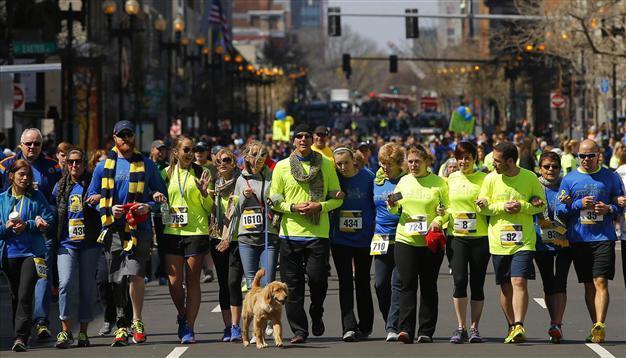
(603,353)
(177,352)
(541,302)
(216,309)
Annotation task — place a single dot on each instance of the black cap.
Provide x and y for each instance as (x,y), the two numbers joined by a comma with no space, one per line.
(216,149)
(364,144)
(158,144)
(302,128)
(321,129)
(123,126)
(201,147)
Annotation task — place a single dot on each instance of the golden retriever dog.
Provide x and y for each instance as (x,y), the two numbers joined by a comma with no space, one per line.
(264,304)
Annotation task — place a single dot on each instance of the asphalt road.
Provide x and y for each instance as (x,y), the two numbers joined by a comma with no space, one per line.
(160,321)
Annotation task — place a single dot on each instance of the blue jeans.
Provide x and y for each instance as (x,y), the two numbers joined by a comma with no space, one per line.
(253,257)
(42,290)
(387,284)
(77,267)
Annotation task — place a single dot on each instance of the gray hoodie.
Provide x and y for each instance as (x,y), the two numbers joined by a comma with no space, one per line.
(248,212)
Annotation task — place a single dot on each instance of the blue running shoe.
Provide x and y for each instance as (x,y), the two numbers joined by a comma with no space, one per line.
(226,336)
(235,333)
(188,336)
(182,323)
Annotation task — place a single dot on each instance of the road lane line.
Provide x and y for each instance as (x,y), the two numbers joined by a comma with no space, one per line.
(603,353)
(216,309)
(541,302)
(177,352)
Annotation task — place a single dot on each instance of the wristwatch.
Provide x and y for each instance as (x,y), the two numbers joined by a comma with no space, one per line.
(292,208)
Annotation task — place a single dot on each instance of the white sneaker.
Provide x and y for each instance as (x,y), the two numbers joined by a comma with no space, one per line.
(391,337)
(269,330)
(253,340)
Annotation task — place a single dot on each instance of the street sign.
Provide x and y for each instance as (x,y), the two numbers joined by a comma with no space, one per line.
(19,98)
(556,100)
(31,48)
(604,85)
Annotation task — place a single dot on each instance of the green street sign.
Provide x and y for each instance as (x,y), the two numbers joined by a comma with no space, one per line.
(31,48)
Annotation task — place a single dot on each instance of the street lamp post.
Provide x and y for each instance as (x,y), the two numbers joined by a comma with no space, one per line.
(131,7)
(70,15)
(160,25)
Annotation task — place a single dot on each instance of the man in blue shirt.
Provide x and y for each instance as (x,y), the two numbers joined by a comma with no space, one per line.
(587,197)
(46,173)
(124,266)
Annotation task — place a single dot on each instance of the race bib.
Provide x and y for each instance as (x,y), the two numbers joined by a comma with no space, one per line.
(511,235)
(179,216)
(350,220)
(40,267)
(76,229)
(416,226)
(252,218)
(465,223)
(379,245)
(590,217)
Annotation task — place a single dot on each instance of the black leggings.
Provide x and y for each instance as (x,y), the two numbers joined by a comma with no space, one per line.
(554,269)
(22,277)
(229,274)
(472,252)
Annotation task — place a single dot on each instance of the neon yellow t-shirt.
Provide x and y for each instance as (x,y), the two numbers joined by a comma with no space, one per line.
(464,218)
(326,152)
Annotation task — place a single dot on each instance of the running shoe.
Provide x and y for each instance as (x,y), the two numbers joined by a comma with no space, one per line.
(107,327)
(555,333)
(208,276)
(139,335)
(19,345)
(226,336)
(162,281)
(350,336)
(188,336)
(598,332)
(391,337)
(269,330)
(235,333)
(474,336)
(83,340)
(121,338)
(458,336)
(424,339)
(404,338)
(244,286)
(182,323)
(317,327)
(43,332)
(64,340)
(517,335)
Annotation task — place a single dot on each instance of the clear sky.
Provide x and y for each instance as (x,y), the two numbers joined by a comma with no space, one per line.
(384,29)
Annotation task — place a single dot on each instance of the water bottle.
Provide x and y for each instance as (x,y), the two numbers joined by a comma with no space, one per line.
(166,218)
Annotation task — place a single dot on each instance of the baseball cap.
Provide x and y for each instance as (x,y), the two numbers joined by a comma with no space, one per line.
(201,147)
(302,128)
(123,126)
(363,144)
(216,149)
(321,129)
(158,144)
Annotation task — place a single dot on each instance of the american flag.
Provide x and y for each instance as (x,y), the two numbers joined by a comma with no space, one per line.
(217,18)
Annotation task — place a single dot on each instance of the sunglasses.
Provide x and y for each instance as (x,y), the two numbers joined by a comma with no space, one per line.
(320,134)
(303,136)
(125,135)
(226,160)
(186,150)
(587,156)
(551,166)
(74,161)
(32,144)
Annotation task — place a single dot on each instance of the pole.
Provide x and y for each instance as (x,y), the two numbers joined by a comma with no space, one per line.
(584,94)
(169,87)
(70,75)
(120,103)
(614,121)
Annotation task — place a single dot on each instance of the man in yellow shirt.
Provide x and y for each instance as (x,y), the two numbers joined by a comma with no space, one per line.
(320,143)
(511,196)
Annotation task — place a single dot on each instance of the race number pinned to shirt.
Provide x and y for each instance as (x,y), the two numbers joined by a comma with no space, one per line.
(350,220)
(590,217)
(465,223)
(417,225)
(76,229)
(511,235)
(252,218)
(179,215)
(40,267)
(379,245)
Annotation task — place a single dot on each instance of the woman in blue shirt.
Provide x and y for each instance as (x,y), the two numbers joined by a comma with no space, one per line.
(387,281)
(24,216)
(77,250)
(351,233)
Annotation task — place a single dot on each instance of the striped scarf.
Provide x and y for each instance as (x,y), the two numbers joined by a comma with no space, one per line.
(135,190)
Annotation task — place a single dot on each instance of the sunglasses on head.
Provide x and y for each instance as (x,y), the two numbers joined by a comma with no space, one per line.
(32,144)
(74,161)
(551,166)
(303,136)
(587,156)
(125,135)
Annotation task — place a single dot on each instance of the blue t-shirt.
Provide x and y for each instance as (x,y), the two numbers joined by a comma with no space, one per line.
(75,218)
(386,222)
(358,203)
(152,179)
(46,173)
(552,200)
(603,185)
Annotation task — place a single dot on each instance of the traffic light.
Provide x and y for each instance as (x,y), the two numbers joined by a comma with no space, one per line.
(345,65)
(393,63)
(411,24)
(334,22)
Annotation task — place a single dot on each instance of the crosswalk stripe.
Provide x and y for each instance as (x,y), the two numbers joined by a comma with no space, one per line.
(603,353)
(177,352)
(541,302)
(216,309)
